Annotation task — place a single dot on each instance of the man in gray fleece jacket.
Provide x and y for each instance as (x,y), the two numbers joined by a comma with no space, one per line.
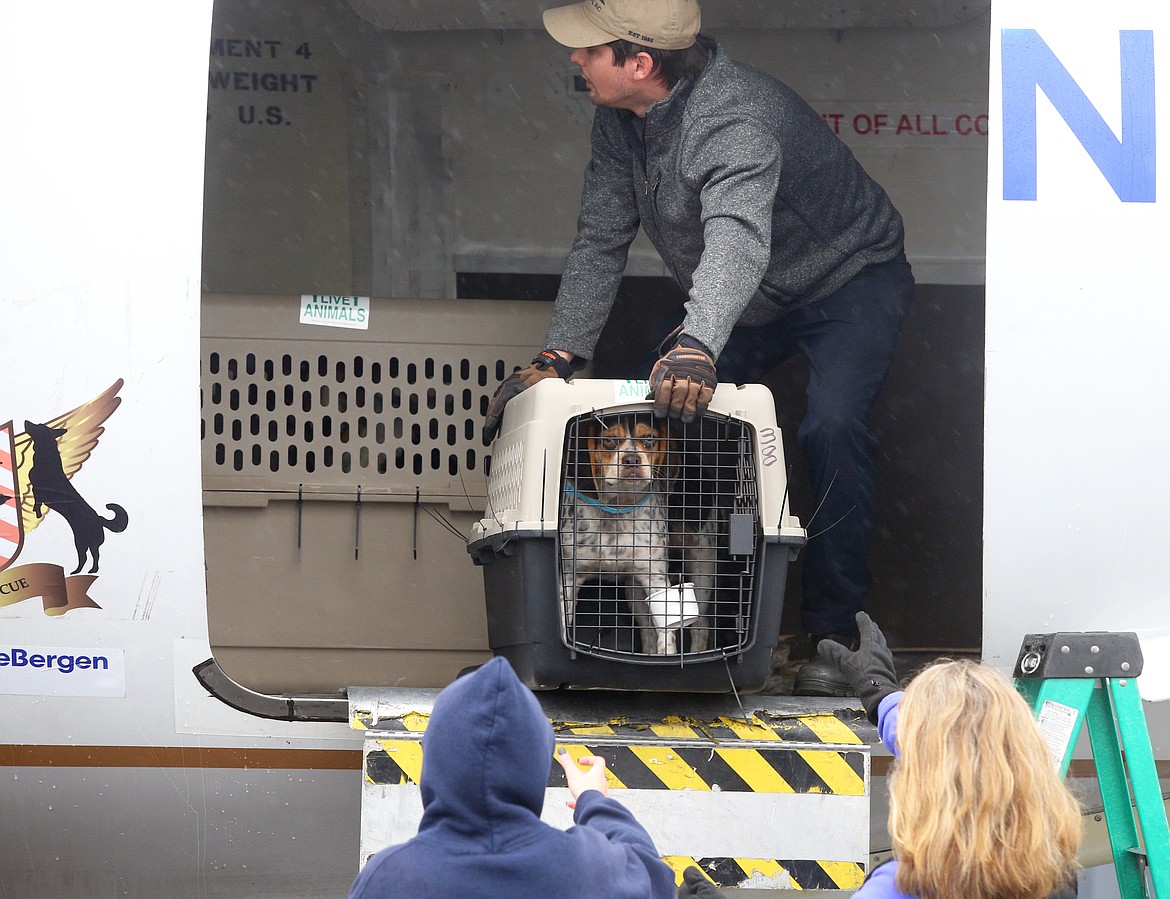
(781,241)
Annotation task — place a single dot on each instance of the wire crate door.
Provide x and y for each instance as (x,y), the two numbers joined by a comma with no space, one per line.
(658,536)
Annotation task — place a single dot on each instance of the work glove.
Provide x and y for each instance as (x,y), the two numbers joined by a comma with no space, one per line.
(869,670)
(547,365)
(683,381)
(695,885)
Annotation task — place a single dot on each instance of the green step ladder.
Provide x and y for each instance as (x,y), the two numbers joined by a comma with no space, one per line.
(1071,679)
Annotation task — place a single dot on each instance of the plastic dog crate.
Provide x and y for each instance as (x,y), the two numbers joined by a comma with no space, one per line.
(625,552)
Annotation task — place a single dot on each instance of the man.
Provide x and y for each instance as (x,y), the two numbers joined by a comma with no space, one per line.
(486,756)
(781,240)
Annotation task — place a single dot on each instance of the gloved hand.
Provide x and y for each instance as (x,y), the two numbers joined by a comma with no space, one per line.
(870,670)
(695,885)
(547,365)
(683,381)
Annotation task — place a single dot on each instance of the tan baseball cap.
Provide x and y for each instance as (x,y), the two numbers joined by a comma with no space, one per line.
(665,24)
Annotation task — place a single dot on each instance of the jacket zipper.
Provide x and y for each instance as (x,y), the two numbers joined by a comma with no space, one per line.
(652,193)
(652,196)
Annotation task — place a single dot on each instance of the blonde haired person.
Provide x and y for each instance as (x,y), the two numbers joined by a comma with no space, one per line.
(977,809)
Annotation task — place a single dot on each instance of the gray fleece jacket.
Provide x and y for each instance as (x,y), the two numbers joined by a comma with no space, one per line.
(754,204)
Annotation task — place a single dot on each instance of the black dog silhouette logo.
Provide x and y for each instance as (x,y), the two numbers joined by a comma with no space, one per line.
(36,471)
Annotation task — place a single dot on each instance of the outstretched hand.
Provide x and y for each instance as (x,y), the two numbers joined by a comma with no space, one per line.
(591,777)
(869,670)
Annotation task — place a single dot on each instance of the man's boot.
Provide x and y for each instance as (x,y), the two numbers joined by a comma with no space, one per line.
(819,676)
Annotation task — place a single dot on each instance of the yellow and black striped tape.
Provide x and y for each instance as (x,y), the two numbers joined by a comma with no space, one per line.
(775,873)
(728,755)
(836,726)
(658,767)
(733,769)
(675,765)
(686,758)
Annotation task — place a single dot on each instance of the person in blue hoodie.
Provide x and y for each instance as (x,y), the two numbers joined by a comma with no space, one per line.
(487,751)
(977,809)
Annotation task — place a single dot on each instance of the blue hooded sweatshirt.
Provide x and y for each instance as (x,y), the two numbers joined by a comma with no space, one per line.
(487,753)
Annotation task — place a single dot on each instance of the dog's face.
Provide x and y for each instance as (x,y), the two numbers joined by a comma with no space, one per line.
(628,455)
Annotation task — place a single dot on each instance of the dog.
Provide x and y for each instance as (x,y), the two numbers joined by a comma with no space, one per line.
(53,490)
(616,525)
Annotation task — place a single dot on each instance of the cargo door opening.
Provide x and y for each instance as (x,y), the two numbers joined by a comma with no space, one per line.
(432,170)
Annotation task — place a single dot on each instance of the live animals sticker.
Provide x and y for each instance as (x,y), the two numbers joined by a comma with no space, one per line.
(630,391)
(335,311)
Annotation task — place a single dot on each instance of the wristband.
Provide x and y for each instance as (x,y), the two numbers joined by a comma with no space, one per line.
(558,363)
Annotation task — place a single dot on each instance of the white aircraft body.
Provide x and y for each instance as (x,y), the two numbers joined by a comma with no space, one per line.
(222,226)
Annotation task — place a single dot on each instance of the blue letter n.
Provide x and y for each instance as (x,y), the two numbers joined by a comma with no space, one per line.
(1128,164)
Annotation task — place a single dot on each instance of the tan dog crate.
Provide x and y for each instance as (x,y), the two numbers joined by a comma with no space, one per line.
(343,470)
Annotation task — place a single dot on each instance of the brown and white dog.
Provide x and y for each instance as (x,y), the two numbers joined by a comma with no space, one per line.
(615,525)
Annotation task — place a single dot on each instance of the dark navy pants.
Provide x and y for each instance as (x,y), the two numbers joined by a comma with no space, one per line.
(849,339)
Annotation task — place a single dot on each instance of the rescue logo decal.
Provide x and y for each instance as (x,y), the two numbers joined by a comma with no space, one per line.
(36,471)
